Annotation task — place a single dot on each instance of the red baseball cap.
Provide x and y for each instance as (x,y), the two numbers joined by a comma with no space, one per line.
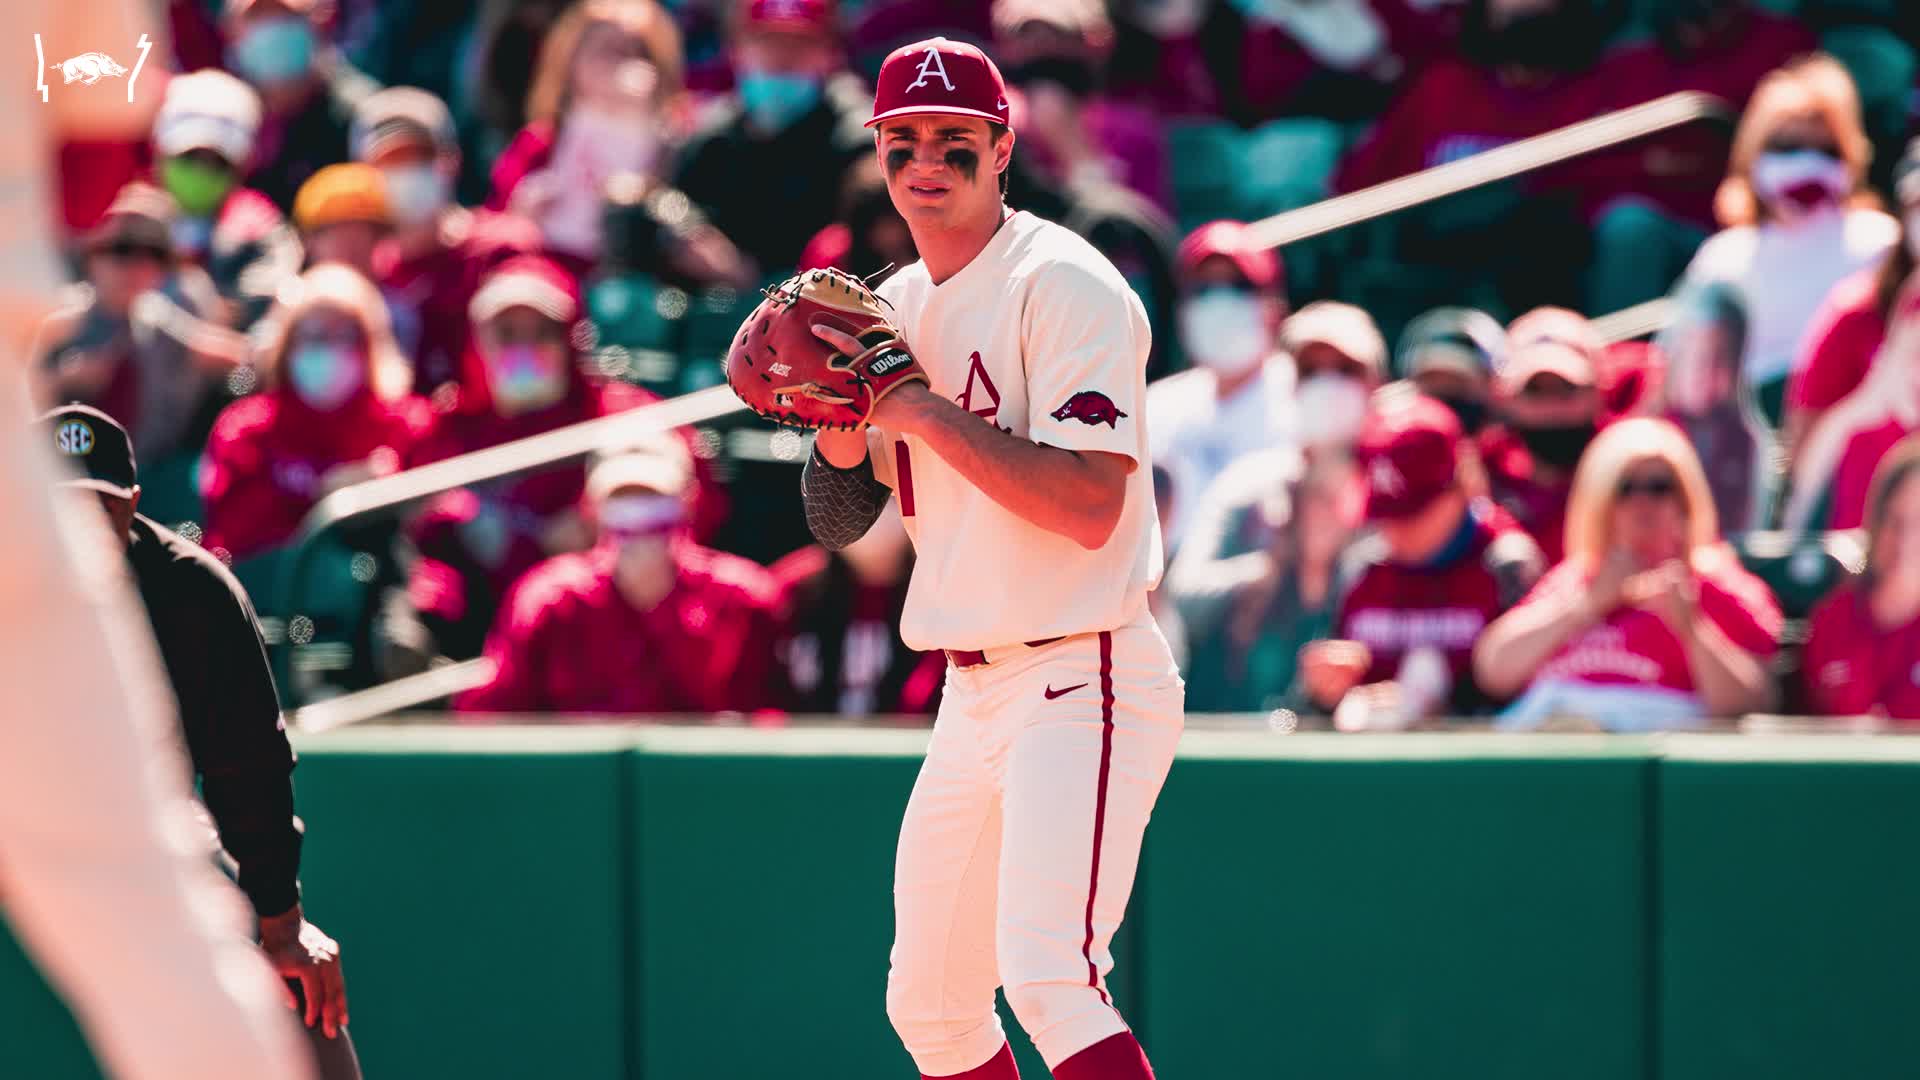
(940,76)
(533,281)
(798,16)
(1409,452)
(1259,264)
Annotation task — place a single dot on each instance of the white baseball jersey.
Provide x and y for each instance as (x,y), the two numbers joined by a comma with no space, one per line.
(1041,336)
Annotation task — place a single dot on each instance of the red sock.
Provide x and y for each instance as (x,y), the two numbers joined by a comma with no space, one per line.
(1118,1057)
(1000,1068)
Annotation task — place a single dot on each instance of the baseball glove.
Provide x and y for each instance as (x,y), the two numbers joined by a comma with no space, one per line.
(783,372)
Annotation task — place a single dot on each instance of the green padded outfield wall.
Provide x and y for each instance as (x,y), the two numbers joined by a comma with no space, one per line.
(714,904)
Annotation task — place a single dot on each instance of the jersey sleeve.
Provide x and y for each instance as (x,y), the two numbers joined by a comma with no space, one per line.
(1743,608)
(1086,342)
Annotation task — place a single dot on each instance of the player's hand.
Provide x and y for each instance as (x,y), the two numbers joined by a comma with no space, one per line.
(1328,669)
(301,951)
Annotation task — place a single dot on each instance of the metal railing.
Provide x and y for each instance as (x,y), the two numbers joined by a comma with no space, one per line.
(373,497)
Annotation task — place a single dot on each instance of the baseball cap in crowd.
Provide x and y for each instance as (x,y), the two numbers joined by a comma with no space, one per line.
(659,466)
(1465,340)
(141,215)
(95,445)
(208,110)
(1409,454)
(940,76)
(400,114)
(1906,175)
(533,281)
(1259,264)
(338,194)
(792,16)
(1547,357)
(1565,326)
(1342,327)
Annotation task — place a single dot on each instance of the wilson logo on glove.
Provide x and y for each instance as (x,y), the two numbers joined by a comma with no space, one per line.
(784,372)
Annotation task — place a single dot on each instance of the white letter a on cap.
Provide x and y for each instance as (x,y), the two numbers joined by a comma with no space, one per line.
(932,65)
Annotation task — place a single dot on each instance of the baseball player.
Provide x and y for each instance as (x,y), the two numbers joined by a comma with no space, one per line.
(98,882)
(1021,471)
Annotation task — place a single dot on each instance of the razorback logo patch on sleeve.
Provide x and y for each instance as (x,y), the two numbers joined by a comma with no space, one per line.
(1090,407)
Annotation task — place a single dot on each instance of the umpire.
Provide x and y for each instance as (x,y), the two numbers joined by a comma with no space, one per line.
(217,662)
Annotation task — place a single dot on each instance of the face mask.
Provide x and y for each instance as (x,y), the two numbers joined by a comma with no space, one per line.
(628,518)
(774,100)
(1559,445)
(1225,330)
(416,193)
(525,378)
(1073,76)
(273,51)
(326,376)
(1794,182)
(198,188)
(1472,414)
(1330,409)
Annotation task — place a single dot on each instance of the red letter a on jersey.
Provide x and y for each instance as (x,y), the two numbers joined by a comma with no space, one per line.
(977,370)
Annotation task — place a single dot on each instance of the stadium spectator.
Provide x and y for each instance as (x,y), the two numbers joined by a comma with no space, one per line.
(840,616)
(308,90)
(1704,395)
(1797,217)
(1339,360)
(1236,397)
(1863,645)
(795,119)
(1834,468)
(1259,579)
(1054,53)
(646,621)
(1550,408)
(1852,321)
(204,136)
(1450,354)
(342,215)
(1442,565)
(335,412)
(869,235)
(610,76)
(1649,622)
(135,344)
(437,250)
(525,377)
(1166,53)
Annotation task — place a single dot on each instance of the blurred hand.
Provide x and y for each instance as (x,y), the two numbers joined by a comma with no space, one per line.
(1605,591)
(534,195)
(1669,591)
(1380,706)
(301,951)
(1329,669)
(708,256)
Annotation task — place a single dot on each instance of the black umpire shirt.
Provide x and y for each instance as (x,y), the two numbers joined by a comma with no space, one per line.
(211,645)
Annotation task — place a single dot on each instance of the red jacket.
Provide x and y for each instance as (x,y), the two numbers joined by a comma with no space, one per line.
(267,455)
(437,285)
(1853,666)
(567,640)
(840,648)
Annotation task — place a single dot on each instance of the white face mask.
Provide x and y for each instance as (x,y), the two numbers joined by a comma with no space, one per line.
(415,193)
(1342,34)
(1225,330)
(1796,182)
(1330,409)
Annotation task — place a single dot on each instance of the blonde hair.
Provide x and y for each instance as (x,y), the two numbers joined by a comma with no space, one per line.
(343,289)
(1817,84)
(551,89)
(1617,448)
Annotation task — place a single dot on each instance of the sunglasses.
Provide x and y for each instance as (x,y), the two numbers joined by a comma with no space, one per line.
(1653,487)
(123,249)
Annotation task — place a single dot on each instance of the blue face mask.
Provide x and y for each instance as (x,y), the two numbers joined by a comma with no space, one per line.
(325,376)
(273,51)
(775,100)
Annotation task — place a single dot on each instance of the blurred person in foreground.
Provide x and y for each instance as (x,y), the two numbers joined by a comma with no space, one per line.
(1237,397)
(308,90)
(1705,396)
(793,120)
(1451,354)
(131,927)
(236,741)
(1549,406)
(205,137)
(1252,599)
(1650,622)
(1441,565)
(1851,325)
(335,412)
(1796,215)
(436,250)
(840,628)
(602,104)
(1863,644)
(1339,360)
(1833,470)
(645,621)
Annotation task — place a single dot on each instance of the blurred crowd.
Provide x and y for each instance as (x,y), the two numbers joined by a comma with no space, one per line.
(1406,470)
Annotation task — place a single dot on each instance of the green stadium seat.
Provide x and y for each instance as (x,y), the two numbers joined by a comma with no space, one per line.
(1800,569)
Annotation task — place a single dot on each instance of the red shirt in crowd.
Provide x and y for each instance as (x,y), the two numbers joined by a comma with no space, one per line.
(841,648)
(1853,666)
(437,284)
(1537,507)
(1839,344)
(1635,647)
(269,452)
(530,151)
(568,641)
(1393,608)
(1854,475)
